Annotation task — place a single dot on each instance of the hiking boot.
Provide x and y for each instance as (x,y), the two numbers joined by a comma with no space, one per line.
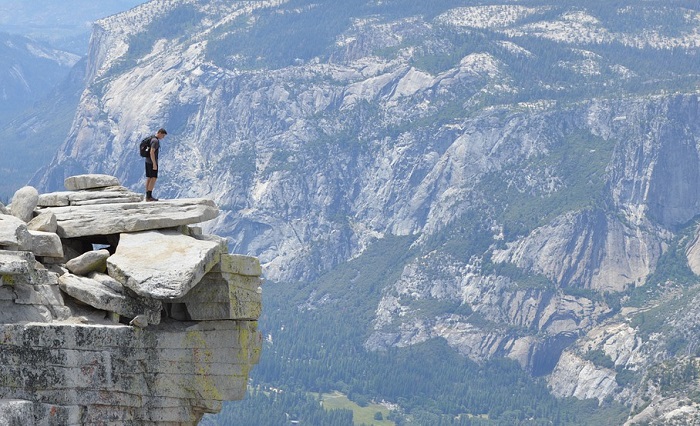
(151,199)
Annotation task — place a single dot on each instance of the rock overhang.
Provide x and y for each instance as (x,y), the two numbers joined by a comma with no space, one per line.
(157,294)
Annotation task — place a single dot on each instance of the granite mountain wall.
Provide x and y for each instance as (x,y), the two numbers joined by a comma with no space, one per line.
(540,157)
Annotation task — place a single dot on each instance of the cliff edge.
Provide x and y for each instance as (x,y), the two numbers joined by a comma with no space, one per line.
(114,310)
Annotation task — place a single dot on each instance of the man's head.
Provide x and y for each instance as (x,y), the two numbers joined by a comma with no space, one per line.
(161,133)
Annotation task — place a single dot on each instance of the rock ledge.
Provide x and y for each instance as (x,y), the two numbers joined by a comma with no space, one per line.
(117,311)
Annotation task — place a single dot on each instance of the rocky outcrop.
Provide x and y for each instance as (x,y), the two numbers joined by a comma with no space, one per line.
(588,249)
(487,315)
(110,219)
(589,368)
(142,319)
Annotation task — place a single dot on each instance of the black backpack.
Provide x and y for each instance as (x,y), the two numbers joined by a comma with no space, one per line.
(145,146)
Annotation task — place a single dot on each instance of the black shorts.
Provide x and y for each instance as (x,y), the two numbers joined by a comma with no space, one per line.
(150,173)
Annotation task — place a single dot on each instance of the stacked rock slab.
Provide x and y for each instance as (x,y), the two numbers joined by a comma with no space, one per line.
(117,311)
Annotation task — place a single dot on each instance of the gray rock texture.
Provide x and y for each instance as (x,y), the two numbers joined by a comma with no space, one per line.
(107,219)
(46,244)
(222,294)
(162,264)
(43,222)
(165,336)
(101,296)
(14,234)
(92,261)
(90,181)
(172,373)
(535,201)
(24,202)
(113,194)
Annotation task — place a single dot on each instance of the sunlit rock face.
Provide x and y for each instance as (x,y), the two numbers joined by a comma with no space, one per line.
(147,322)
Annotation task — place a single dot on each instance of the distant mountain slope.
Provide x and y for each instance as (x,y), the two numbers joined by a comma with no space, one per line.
(28,70)
(31,74)
(40,43)
(540,156)
(65,25)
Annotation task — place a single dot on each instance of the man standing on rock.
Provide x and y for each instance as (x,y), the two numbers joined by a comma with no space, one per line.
(152,164)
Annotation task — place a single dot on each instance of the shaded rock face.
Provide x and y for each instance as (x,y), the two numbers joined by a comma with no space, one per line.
(160,341)
(546,320)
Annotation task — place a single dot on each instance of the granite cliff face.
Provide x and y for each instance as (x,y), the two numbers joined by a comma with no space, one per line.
(541,204)
(118,311)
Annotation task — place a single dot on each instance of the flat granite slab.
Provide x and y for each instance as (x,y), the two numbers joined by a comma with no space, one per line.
(107,219)
(162,264)
(109,195)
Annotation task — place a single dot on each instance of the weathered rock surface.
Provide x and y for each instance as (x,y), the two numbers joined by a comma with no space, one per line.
(24,202)
(107,219)
(43,222)
(101,296)
(116,374)
(167,335)
(46,244)
(16,412)
(92,261)
(162,264)
(115,194)
(14,234)
(28,292)
(528,324)
(576,376)
(574,250)
(225,294)
(90,181)
(582,379)
(427,180)
(693,253)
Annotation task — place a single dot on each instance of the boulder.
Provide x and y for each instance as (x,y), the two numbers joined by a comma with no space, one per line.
(92,261)
(46,244)
(162,264)
(102,297)
(107,219)
(239,264)
(24,202)
(43,222)
(90,181)
(3,209)
(113,194)
(139,321)
(14,234)
(222,296)
(73,248)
